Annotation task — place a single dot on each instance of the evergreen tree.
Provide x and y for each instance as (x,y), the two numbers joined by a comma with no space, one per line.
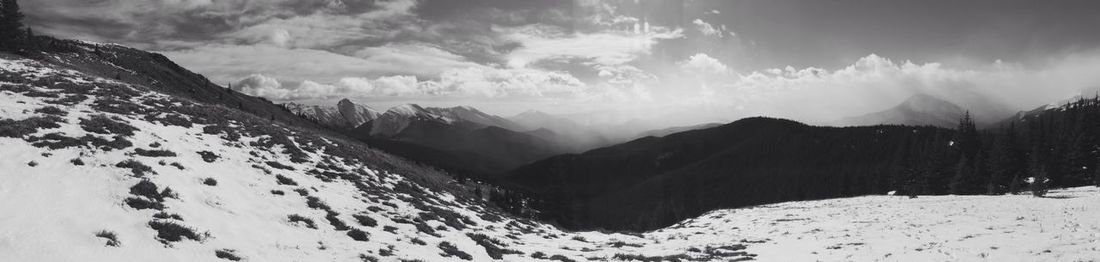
(968,144)
(1005,162)
(1039,179)
(11,25)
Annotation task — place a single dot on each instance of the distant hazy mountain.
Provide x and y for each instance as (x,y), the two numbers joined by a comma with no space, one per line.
(918,110)
(673,130)
(561,130)
(344,115)
(461,139)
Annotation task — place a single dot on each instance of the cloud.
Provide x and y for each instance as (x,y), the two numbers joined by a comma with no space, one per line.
(231,62)
(605,48)
(874,83)
(471,82)
(703,63)
(708,29)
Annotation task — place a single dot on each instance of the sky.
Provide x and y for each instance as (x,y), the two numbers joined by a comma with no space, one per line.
(676,62)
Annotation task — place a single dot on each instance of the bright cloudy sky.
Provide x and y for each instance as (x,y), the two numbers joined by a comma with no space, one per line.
(692,60)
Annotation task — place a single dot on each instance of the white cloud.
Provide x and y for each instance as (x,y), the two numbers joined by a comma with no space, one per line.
(703,63)
(230,62)
(707,29)
(875,83)
(475,82)
(604,48)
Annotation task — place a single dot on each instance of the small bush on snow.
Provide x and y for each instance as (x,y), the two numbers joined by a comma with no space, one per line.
(295,218)
(146,189)
(101,124)
(208,156)
(20,128)
(154,152)
(168,231)
(450,250)
(365,220)
(358,235)
(210,181)
(142,203)
(166,215)
(285,180)
(111,237)
(228,254)
(137,168)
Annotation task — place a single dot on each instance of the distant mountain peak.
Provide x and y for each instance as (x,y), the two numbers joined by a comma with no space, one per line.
(917,110)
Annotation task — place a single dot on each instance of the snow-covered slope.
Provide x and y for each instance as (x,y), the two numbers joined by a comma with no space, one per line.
(345,114)
(96,170)
(103,171)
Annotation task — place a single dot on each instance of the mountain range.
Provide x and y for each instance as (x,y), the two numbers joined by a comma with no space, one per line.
(344,115)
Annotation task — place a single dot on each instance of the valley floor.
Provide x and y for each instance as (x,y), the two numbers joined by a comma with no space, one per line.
(1064,226)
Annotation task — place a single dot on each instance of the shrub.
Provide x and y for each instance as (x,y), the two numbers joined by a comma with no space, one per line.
(77,162)
(298,219)
(169,193)
(365,220)
(367,258)
(166,215)
(168,231)
(101,124)
(146,189)
(277,192)
(210,181)
(51,110)
(335,221)
(358,235)
(301,191)
(285,180)
(492,246)
(112,238)
(20,128)
(142,203)
(177,165)
(154,153)
(208,156)
(450,250)
(279,165)
(417,241)
(32,163)
(540,255)
(566,259)
(228,254)
(388,251)
(316,203)
(137,168)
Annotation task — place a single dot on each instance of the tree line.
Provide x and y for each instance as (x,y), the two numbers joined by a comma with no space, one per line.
(1057,147)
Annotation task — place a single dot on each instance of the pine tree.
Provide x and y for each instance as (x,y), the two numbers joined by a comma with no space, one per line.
(1038,181)
(11,25)
(963,169)
(1005,162)
(968,144)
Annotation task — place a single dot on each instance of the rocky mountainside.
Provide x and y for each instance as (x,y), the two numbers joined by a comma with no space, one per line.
(344,115)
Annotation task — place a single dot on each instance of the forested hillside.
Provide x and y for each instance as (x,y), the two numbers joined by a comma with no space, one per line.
(652,182)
